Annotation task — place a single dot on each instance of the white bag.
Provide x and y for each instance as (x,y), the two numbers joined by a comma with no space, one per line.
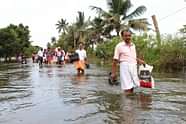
(145,74)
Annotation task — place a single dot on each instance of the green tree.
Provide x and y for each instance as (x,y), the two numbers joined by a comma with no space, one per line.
(97,27)
(7,43)
(22,37)
(14,40)
(69,40)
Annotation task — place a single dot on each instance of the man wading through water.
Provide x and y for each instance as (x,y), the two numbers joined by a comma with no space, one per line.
(125,54)
(80,65)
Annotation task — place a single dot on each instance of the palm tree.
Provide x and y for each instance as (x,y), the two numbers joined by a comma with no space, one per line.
(118,15)
(80,19)
(96,29)
(53,40)
(81,25)
(97,24)
(62,25)
(72,37)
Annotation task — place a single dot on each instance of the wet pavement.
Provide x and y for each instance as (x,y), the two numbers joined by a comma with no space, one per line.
(56,95)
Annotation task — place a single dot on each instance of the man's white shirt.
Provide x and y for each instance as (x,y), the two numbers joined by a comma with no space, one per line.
(82,54)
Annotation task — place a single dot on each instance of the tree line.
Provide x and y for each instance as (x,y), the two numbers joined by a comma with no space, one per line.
(15,41)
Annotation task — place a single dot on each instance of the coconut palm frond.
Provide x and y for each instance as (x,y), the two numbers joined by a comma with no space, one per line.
(80,19)
(119,6)
(113,5)
(139,24)
(126,6)
(139,11)
(98,10)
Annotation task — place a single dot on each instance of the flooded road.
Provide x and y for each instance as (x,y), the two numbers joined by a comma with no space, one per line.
(56,95)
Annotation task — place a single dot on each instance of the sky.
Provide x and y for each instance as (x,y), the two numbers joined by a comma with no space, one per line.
(42,15)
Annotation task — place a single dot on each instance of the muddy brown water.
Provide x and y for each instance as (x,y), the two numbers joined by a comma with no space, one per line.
(56,95)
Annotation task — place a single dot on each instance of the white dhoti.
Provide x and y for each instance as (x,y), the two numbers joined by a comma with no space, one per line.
(128,76)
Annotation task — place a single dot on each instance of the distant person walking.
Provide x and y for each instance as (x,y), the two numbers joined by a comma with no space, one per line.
(40,57)
(33,57)
(80,65)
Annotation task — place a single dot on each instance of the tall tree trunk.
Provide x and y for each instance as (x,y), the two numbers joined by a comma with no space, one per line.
(157,30)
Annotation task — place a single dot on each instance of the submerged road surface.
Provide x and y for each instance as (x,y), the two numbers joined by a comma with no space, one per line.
(56,95)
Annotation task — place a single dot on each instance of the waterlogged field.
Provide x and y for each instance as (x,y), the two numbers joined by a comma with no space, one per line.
(56,95)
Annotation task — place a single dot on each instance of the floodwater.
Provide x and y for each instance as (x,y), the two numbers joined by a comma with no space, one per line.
(56,95)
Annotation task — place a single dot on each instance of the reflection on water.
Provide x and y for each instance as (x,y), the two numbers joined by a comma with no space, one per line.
(79,79)
(60,96)
(14,80)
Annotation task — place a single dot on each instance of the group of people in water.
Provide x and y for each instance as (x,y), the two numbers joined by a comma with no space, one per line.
(49,56)
(59,56)
(124,55)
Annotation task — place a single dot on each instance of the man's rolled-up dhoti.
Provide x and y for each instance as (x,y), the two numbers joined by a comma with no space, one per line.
(128,75)
(80,64)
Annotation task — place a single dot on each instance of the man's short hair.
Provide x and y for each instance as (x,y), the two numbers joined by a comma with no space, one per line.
(125,30)
(81,43)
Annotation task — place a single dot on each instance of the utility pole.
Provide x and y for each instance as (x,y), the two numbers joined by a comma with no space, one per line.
(157,30)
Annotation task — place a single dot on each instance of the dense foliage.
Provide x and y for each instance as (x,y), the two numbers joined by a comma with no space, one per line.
(169,57)
(15,40)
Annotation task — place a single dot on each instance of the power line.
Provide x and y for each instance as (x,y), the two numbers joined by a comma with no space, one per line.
(172,13)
